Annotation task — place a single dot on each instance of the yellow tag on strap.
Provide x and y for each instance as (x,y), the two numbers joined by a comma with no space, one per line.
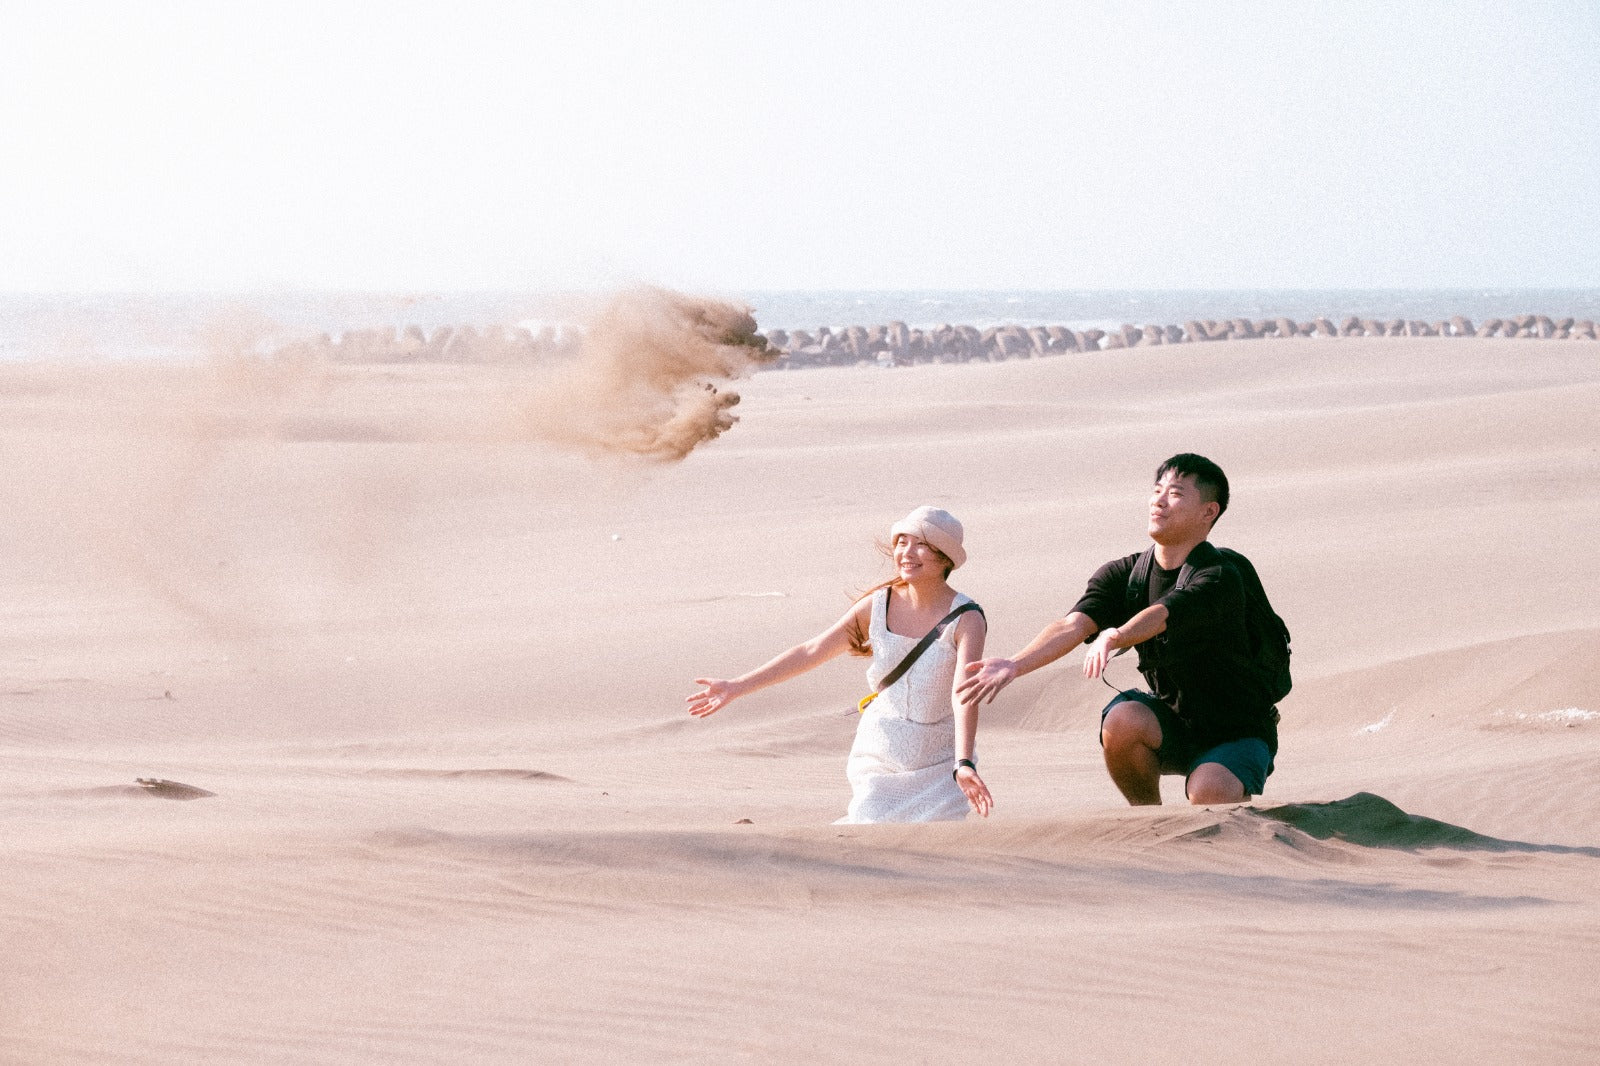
(861,705)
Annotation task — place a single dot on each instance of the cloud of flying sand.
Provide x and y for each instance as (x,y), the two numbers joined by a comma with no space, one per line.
(253,489)
(645,380)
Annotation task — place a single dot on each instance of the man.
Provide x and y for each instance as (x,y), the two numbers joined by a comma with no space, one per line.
(1209,715)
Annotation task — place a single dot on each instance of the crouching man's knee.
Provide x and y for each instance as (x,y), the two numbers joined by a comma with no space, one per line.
(1128,725)
(1211,782)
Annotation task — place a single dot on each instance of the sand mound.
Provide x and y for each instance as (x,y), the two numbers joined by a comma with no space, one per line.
(489,773)
(1373,822)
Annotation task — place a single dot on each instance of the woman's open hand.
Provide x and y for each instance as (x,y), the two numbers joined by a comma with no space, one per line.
(976,791)
(716,695)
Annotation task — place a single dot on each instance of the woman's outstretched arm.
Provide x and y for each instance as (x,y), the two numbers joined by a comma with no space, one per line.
(829,644)
(970,631)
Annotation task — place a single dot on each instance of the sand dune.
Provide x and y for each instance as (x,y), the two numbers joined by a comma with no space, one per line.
(429,672)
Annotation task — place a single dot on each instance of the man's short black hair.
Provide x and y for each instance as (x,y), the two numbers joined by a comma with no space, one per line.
(1208,476)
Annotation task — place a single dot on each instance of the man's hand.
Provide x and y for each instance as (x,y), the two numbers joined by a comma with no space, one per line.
(1100,653)
(985,678)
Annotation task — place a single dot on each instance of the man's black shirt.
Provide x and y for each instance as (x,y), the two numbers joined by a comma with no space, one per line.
(1161,581)
(1200,665)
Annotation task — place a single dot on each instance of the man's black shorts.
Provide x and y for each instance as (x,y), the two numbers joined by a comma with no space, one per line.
(1248,758)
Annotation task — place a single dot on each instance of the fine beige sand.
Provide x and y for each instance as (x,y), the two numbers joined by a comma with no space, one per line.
(431,668)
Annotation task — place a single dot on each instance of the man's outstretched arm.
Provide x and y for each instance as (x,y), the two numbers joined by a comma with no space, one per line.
(1150,622)
(986,677)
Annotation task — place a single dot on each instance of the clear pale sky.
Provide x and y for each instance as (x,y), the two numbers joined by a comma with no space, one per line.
(746,145)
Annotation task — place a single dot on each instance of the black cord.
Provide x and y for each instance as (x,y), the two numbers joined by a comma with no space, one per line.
(1107,669)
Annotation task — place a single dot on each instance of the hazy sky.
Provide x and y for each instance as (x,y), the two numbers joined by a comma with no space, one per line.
(744,145)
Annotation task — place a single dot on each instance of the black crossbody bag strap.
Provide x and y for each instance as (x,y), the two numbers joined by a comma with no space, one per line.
(924,644)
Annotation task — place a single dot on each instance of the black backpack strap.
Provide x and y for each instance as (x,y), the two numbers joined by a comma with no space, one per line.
(1139,580)
(1186,572)
(925,643)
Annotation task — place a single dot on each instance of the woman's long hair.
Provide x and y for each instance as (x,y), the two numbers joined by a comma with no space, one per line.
(860,642)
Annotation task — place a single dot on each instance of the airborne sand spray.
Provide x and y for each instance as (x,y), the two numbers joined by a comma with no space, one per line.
(639,372)
(271,483)
(644,380)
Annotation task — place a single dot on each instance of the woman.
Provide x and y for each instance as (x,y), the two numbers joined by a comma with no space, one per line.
(913,757)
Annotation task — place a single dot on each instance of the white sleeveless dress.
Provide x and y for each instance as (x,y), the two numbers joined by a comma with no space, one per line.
(900,764)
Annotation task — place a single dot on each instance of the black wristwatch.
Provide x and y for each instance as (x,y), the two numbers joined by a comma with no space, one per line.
(956,773)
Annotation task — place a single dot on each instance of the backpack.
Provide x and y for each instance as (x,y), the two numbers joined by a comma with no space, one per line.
(1266,633)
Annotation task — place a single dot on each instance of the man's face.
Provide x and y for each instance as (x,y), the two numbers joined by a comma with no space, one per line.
(1178,510)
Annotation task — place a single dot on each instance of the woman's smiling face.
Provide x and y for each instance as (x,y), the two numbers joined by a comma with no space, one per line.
(915,558)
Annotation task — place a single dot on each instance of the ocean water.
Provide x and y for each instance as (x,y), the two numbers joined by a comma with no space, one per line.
(188,325)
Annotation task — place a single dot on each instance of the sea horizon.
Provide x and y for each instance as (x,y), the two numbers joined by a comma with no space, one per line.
(127,324)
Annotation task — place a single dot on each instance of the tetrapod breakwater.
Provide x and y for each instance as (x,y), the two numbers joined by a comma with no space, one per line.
(896,344)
